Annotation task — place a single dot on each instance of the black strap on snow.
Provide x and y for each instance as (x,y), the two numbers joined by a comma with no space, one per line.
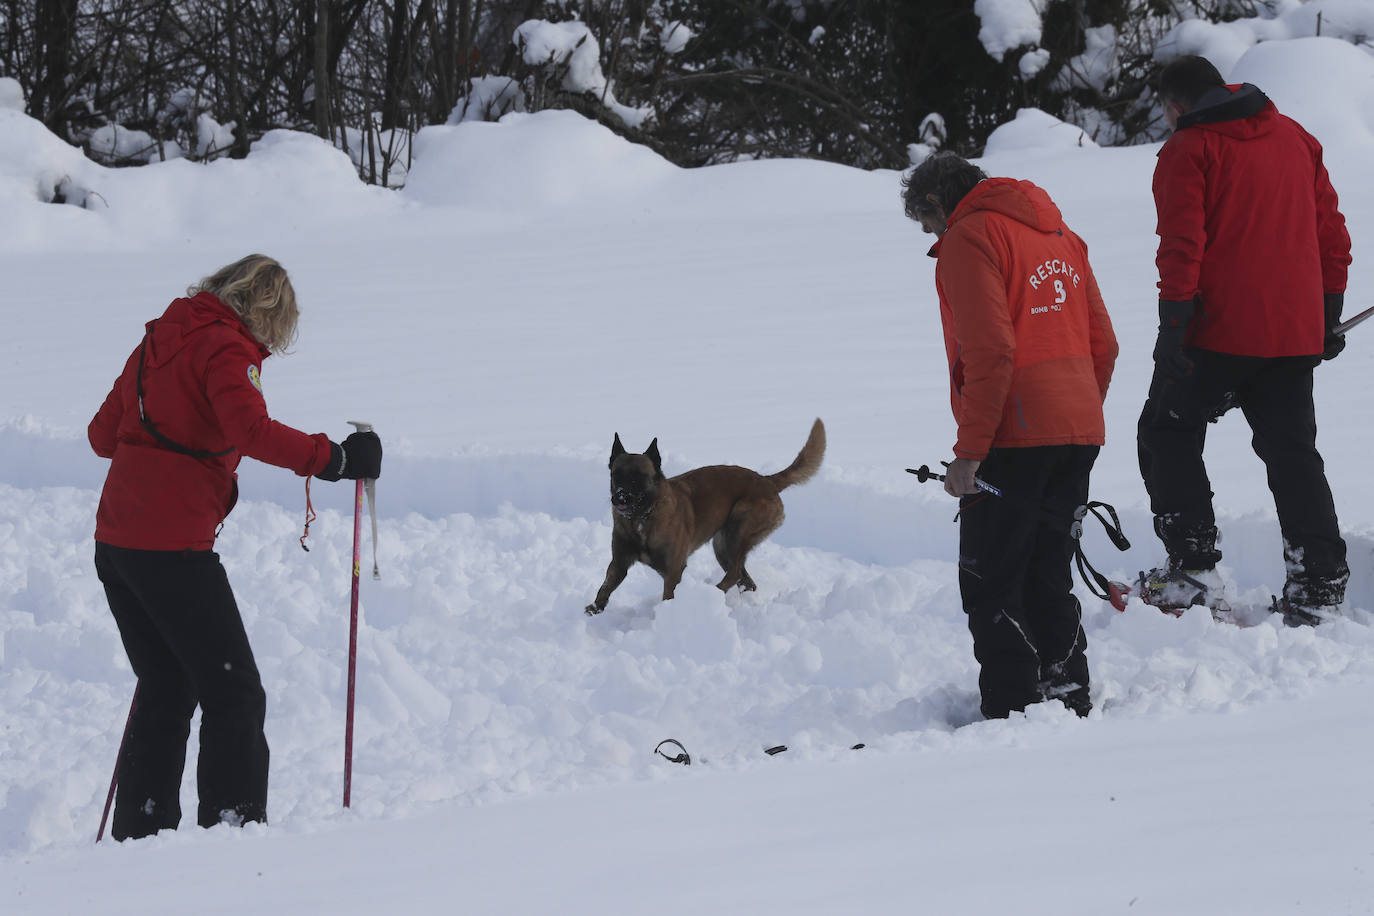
(157,434)
(1097,583)
(683,758)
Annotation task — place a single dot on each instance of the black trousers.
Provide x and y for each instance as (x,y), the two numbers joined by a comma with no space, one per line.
(1016,578)
(1275,396)
(185,640)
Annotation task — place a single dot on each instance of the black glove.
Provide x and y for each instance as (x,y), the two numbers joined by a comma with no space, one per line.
(359,458)
(1170,359)
(1334,343)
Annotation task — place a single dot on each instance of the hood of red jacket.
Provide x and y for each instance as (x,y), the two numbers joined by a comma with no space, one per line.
(1240,111)
(1022,201)
(169,334)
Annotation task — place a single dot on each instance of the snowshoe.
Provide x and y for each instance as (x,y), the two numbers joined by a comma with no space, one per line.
(1174,589)
(1296,615)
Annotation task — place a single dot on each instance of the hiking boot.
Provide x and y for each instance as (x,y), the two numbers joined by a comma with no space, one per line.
(1297,615)
(1307,591)
(1175,589)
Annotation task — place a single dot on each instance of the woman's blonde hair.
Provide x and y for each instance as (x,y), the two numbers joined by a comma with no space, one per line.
(259,291)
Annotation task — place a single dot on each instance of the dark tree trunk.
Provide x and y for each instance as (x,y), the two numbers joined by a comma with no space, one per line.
(54,31)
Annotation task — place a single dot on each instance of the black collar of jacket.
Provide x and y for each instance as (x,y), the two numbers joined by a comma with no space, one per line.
(1221,104)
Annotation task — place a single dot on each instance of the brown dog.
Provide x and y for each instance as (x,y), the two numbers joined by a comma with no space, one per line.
(661,521)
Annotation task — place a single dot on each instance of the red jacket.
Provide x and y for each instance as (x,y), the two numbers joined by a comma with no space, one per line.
(1248,227)
(202,390)
(1029,342)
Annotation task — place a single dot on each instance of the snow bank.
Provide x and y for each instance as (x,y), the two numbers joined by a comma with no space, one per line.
(1224,43)
(35,168)
(1327,84)
(1034,130)
(529,162)
(11,94)
(291,182)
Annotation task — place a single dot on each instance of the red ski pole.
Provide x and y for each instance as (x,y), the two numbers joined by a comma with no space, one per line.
(114,777)
(353,630)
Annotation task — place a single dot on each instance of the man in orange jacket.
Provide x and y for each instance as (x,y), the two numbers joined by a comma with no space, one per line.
(1031,353)
(1253,255)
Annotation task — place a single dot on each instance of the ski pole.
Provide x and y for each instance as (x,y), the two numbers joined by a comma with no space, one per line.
(1098,584)
(114,777)
(1347,325)
(353,624)
(924,473)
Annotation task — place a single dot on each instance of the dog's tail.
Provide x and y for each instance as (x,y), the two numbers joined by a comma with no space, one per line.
(808,460)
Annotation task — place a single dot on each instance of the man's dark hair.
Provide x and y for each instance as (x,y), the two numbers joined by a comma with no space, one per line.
(946,175)
(1186,79)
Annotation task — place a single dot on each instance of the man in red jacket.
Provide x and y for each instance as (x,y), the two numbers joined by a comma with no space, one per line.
(187,407)
(1253,254)
(1031,352)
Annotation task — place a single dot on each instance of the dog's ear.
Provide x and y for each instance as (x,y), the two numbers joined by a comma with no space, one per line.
(616,449)
(652,454)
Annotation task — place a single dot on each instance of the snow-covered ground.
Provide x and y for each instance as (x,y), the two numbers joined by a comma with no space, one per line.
(538,286)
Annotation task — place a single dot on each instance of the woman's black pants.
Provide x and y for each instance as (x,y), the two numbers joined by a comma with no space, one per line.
(186,643)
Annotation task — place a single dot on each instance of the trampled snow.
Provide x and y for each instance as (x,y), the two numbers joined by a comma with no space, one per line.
(538,286)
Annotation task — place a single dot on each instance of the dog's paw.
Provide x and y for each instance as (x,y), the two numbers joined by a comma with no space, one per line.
(592,610)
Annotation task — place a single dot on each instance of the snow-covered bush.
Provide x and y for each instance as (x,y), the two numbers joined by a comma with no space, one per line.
(114,144)
(186,118)
(567,55)
(487,99)
(1094,64)
(933,133)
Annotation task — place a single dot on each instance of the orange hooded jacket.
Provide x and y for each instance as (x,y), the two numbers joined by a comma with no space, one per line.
(1030,345)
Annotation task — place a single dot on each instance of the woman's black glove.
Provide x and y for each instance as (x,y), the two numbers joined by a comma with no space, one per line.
(358,458)
(1174,317)
(1334,343)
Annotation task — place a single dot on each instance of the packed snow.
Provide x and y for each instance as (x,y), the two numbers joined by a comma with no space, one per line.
(538,286)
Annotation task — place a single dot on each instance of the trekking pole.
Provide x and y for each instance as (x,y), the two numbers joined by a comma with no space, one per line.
(1113,592)
(114,777)
(353,619)
(1347,325)
(924,473)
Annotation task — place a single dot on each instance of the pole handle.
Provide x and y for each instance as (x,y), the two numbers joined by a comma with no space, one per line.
(363,426)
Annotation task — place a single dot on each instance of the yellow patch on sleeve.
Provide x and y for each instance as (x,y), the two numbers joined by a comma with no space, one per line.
(255,377)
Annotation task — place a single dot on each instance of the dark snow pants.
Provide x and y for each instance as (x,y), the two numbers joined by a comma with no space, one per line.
(1016,579)
(1275,395)
(186,643)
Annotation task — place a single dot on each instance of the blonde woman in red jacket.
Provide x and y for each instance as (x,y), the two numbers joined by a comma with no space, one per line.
(186,409)
(1031,352)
